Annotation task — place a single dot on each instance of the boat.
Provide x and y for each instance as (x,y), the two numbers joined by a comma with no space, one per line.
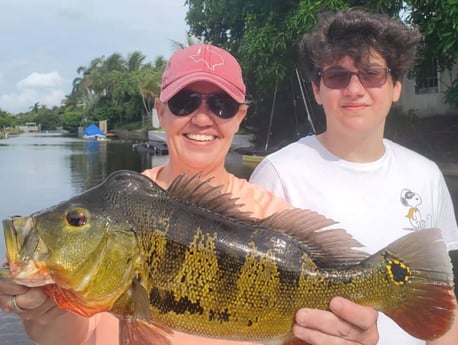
(156,147)
(252,156)
(251,160)
(93,132)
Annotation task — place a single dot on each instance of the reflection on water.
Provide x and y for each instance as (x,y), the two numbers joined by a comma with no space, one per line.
(41,170)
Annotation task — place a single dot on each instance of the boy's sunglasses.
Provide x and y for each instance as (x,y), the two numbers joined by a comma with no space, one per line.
(339,78)
(186,102)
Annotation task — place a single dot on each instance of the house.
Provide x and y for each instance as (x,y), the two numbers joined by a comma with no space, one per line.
(426,97)
(30,127)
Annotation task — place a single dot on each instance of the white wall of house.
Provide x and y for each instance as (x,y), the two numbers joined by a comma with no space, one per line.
(426,104)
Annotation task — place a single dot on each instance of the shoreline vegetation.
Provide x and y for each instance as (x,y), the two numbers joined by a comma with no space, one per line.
(435,137)
(7,132)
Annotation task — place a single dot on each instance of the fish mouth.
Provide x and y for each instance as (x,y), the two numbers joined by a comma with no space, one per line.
(26,253)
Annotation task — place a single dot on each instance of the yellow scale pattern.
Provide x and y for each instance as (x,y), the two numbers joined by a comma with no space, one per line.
(198,275)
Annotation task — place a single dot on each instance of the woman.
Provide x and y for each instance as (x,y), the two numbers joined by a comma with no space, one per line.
(201,106)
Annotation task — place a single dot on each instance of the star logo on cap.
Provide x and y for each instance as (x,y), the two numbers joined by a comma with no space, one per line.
(208,57)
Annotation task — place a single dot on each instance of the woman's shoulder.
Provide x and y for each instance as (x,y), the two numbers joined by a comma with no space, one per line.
(255,199)
(153,172)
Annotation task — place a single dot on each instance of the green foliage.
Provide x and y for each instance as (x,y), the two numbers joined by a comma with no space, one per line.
(264,34)
(112,113)
(438,22)
(71,120)
(48,120)
(7,120)
(115,89)
(119,90)
(451,94)
(26,117)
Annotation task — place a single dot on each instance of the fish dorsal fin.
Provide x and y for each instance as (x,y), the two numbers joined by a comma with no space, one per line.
(201,193)
(326,246)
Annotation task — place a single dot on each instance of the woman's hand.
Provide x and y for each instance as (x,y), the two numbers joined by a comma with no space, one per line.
(28,303)
(43,321)
(347,323)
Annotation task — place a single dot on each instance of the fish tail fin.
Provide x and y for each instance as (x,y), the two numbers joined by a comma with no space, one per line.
(428,315)
(139,332)
(419,263)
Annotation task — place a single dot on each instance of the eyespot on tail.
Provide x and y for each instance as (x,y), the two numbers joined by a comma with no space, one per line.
(428,306)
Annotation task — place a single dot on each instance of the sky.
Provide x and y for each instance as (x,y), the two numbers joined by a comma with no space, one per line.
(43,42)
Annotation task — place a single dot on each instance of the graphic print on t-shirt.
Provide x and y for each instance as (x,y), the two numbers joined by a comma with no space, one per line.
(413,201)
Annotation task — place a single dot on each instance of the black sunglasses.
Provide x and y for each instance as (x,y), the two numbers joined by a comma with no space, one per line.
(186,102)
(339,78)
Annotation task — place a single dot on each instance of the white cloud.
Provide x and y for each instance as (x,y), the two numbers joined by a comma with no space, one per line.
(26,98)
(68,34)
(41,80)
(44,88)
(52,98)
(16,101)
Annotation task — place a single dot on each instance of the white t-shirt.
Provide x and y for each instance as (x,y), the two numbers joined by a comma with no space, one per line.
(376,202)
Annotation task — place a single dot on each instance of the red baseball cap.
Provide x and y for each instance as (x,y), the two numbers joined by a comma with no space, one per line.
(202,62)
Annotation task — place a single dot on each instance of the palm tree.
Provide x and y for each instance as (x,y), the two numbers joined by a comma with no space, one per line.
(35,107)
(135,61)
(190,40)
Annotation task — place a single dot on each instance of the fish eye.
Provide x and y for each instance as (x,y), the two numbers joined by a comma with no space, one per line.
(76,217)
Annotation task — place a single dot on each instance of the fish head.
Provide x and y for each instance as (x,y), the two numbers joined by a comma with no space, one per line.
(85,247)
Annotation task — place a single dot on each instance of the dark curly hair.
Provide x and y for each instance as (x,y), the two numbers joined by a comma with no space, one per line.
(358,34)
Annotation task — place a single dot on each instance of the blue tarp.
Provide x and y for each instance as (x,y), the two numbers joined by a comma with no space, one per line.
(93,131)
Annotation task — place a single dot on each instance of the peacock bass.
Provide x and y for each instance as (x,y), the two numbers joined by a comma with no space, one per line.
(187,259)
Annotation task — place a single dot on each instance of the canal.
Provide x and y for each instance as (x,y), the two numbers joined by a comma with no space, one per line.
(42,169)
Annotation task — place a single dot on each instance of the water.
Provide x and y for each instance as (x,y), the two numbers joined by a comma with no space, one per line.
(39,170)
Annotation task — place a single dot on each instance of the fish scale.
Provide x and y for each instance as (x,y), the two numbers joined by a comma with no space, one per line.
(187,259)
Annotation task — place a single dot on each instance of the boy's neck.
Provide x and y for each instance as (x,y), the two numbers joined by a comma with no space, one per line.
(356,149)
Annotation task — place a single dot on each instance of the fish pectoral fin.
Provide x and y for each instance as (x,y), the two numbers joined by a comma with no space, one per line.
(142,333)
(141,301)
